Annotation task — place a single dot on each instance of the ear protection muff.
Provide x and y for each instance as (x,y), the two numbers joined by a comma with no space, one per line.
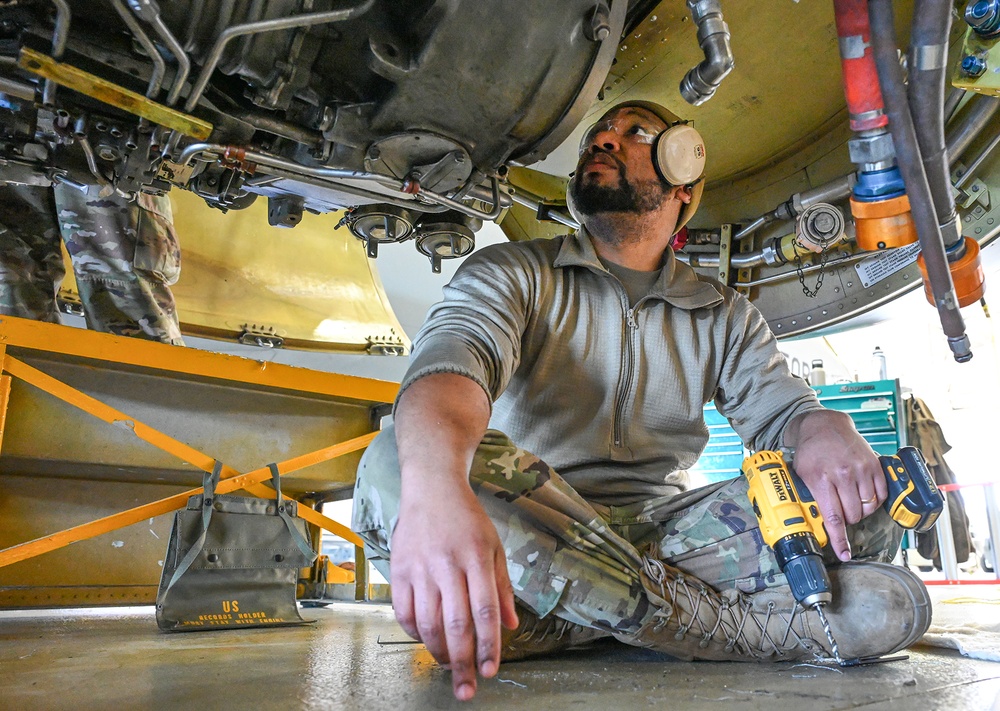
(679,154)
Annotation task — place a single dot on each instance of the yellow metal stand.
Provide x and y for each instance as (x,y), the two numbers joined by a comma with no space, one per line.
(26,340)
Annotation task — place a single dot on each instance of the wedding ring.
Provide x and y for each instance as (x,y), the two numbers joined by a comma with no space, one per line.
(872,500)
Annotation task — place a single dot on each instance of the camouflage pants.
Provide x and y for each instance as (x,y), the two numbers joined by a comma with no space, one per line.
(125,257)
(581,561)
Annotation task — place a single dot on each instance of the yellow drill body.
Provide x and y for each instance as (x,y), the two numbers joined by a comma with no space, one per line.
(791,525)
(777,502)
(790,521)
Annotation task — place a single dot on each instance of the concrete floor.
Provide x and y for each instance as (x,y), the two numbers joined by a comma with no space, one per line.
(117,659)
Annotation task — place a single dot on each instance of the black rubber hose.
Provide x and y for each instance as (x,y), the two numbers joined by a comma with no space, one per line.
(890,76)
(927,63)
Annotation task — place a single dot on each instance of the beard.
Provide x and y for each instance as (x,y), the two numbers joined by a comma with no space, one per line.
(592,199)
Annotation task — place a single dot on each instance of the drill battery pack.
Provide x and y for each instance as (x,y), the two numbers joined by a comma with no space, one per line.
(914,500)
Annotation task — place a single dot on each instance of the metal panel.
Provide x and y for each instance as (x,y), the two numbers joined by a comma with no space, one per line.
(313,286)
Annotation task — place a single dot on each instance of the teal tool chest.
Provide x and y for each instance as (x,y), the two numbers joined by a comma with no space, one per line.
(875,406)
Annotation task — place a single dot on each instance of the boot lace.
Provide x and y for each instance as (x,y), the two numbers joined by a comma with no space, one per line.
(536,629)
(691,603)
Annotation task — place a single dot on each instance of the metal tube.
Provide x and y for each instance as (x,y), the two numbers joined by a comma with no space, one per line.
(283,23)
(951,103)
(754,226)
(183,62)
(847,259)
(980,115)
(59,35)
(195,150)
(17,89)
(701,82)
(480,193)
(928,58)
(471,211)
(912,168)
(106,187)
(739,261)
(321,177)
(408,204)
(159,64)
(983,155)
(534,202)
(63,179)
(149,11)
(702,259)
(271,161)
(285,129)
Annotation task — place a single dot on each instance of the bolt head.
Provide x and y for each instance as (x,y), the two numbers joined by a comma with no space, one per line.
(973,66)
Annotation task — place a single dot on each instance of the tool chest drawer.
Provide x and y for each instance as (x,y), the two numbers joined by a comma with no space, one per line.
(875,407)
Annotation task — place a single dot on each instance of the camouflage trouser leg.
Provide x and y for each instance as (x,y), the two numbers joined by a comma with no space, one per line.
(31,263)
(125,257)
(582,561)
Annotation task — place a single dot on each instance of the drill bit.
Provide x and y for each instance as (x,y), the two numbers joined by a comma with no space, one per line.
(829,633)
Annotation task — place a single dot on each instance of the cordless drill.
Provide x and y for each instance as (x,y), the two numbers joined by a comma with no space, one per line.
(792,525)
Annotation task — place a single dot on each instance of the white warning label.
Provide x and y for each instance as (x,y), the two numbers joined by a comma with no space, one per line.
(875,269)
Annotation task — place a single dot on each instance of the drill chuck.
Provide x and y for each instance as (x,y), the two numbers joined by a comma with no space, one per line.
(799,556)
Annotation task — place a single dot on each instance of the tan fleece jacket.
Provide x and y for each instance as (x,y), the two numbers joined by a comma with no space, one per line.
(612,397)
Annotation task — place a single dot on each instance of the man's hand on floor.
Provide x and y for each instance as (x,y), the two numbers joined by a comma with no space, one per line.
(450,587)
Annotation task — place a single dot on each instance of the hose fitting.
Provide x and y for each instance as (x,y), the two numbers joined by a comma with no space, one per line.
(700,83)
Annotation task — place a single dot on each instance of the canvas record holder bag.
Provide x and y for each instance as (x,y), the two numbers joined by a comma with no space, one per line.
(233,561)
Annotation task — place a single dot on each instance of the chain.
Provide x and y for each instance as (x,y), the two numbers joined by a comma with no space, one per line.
(824,255)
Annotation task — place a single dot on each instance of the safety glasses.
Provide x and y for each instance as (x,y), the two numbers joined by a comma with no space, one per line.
(628,128)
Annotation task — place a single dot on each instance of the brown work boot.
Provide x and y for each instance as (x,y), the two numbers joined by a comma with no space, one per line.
(877,609)
(536,635)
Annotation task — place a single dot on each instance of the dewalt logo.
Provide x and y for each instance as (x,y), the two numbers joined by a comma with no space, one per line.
(779,487)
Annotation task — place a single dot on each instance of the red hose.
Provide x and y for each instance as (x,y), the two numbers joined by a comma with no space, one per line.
(861,87)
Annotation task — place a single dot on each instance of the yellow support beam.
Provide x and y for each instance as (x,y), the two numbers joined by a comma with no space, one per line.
(110,93)
(30,335)
(231,478)
(52,338)
(112,416)
(248,482)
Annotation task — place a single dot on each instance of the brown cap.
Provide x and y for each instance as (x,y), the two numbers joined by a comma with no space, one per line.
(669,118)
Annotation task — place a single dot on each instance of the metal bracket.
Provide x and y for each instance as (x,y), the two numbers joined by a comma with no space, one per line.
(725,252)
(262,336)
(745,246)
(976,192)
(69,302)
(391,345)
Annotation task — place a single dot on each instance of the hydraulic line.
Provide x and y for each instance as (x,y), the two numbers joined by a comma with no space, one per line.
(951,102)
(700,83)
(861,88)
(928,59)
(912,168)
(980,115)
(149,11)
(250,28)
(983,155)
(159,64)
(59,36)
